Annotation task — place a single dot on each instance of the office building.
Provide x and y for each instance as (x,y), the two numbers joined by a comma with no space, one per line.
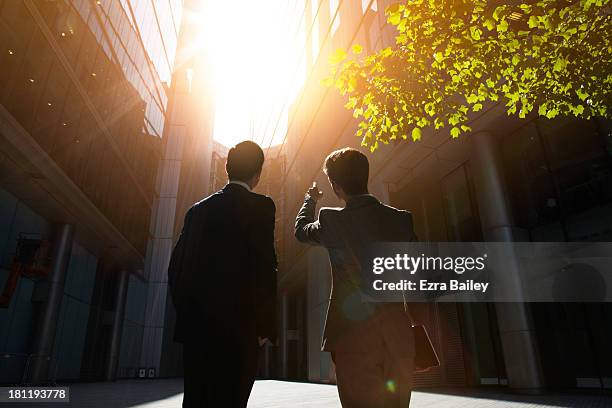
(84,103)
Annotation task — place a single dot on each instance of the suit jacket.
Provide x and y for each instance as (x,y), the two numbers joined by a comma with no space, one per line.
(346,234)
(222,273)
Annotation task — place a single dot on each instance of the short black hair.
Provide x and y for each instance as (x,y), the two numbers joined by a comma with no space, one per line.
(349,168)
(244,161)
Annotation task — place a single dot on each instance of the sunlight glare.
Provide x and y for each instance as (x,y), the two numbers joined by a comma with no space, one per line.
(254,48)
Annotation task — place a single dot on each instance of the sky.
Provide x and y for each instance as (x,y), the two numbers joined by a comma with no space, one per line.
(256,49)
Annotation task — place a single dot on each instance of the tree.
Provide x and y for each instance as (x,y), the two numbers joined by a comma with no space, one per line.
(453,56)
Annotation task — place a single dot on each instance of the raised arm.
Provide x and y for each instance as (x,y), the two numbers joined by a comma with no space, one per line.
(307,229)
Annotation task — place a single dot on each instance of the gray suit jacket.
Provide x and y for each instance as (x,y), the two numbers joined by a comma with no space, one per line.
(346,233)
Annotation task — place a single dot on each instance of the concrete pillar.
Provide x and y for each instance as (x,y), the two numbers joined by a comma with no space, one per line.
(117,329)
(183,178)
(514,319)
(40,364)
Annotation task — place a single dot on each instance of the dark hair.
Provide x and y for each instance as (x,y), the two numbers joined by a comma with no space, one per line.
(244,161)
(349,168)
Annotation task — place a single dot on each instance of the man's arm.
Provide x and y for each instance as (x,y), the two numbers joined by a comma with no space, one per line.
(308,230)
(410,227)
(176,260)
(264,257)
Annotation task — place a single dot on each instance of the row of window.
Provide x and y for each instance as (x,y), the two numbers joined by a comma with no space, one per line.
(50,101)
(112,25)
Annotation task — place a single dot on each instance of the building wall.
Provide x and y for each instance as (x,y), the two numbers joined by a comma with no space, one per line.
(84,85)
(133,329)
(71,333)
(73,75)
(17,319)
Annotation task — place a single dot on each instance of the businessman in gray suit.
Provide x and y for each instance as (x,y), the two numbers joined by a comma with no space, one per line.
(372,343)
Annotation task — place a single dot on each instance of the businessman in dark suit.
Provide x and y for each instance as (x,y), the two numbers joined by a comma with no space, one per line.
(372,344)
(222,276)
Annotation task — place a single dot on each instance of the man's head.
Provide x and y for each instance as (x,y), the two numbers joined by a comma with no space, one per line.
(244,163)
(348,171)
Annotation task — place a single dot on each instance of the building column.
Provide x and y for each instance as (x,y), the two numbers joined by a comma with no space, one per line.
(517,334)
(117,329)
(40,364)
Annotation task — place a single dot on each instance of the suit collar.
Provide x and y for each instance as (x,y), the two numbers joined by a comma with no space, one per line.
(234,187)
(240,183)
(361,200)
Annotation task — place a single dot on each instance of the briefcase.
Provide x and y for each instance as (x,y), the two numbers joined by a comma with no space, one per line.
(425,356)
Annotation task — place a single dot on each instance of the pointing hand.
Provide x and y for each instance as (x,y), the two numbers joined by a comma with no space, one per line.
(314,191)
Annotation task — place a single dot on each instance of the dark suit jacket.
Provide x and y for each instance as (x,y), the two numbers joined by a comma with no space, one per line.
(222,273)
(346,233)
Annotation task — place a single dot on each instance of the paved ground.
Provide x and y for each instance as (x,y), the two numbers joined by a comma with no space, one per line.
(279,394)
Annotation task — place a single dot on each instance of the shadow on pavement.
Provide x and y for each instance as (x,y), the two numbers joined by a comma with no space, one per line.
(123,394)
(577,399)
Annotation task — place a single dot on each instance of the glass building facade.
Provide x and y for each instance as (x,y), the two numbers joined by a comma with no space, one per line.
(83,106)
(86,80)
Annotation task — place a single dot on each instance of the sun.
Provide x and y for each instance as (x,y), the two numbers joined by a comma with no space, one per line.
(256,51)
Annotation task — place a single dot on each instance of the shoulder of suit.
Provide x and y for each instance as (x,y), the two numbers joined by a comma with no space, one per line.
(326,212)
(205,201)
(397,210)
(198,204)
(263,200)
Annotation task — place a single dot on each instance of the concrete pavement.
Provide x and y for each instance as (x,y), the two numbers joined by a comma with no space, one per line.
(167,393)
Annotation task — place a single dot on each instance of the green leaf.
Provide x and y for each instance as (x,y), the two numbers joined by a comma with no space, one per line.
(503,26)
(357,49)
(560,64)
(338,56)
(545,54)
(542,110)
(582,94)
(475,32)
(394,18)
(496,12)
(416,134)
(578,110)
(351,103)
(387,52)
